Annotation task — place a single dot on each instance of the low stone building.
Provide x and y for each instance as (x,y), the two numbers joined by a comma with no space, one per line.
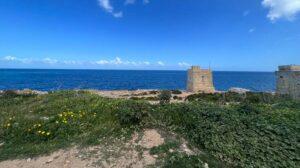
(200,80)
(288,81)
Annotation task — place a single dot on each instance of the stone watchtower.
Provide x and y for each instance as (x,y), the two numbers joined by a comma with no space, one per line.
(288,81)
(200,80)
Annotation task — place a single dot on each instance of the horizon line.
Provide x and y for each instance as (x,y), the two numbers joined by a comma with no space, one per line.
(125,69)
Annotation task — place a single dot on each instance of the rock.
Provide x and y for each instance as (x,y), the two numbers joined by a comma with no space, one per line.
(238,90)
(45,118)
(186,149)
(40,92)
(206,165)
(105,164)
(151,138)
(171,150)
(49,160)
(28,160)
(1,144)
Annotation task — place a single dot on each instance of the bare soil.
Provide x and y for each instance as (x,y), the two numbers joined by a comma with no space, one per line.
(113,154)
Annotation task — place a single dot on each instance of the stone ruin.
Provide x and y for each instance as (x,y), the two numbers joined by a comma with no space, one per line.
(200,80)
(288,81)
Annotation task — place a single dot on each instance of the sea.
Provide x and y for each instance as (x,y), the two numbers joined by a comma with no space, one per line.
(50,80)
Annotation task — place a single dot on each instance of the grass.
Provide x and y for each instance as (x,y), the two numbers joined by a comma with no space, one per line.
(256,130)
(41,124)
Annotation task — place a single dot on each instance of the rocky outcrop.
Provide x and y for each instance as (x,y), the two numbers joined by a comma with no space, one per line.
(238,90)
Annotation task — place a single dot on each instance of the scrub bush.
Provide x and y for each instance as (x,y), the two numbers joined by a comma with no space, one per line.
(176,92)
(165,96)
(132,112)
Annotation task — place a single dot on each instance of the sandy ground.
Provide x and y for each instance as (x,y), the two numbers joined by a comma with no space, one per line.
(127,94)
(123,94)
(117,154)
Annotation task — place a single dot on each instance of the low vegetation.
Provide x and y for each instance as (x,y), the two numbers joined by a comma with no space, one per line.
(165,97)
(230,130)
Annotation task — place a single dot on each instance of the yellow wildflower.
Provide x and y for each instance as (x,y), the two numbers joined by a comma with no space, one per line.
(8,125)
(48,133)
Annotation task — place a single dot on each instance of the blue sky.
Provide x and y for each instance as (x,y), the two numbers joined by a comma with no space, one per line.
(247,35)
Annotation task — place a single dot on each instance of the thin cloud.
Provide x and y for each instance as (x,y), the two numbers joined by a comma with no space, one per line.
(72,62)
(246,13)
(251,30)
(129,2)
(15,59)
(146,63)
(9,58)
(105,4)
(286,9)
(118,15)
(50,61)
(29,60)
(161,63)
(183,64)
(119,61)
(146,1)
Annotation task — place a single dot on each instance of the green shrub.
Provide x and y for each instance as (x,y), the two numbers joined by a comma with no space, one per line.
(246,134)
(252,97)
(165,96)
(151,98)
(136,98)
(234,97)
(153,92)
(180,160)
(249,97)
(176,92)
(247,108)
(177,98)
(35,125)
(143,94)
(261,97)
(144,98)
(164,148)
(242,135)
(210,97)
(132,112)
(9,93)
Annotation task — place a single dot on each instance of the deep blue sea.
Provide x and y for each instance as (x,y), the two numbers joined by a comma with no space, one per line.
(47,80)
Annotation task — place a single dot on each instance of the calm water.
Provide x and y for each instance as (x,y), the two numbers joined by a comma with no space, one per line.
(124,79)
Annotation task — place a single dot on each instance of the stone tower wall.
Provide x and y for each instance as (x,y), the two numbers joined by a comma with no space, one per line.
(200,80)
(288,81)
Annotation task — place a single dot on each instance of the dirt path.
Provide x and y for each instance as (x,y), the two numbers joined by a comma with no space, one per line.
(113,154)
(120,154)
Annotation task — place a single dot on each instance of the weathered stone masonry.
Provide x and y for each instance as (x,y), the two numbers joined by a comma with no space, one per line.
(200,80)
(288,81)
